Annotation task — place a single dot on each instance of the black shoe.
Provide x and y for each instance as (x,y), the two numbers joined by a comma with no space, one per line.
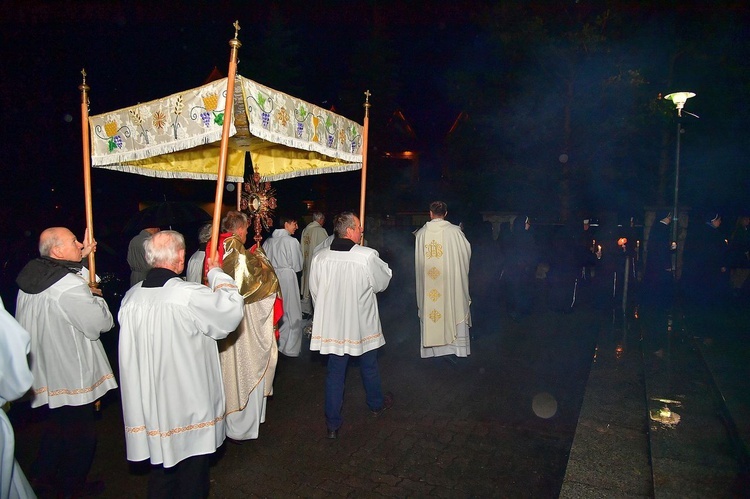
(387,404)
(332,434)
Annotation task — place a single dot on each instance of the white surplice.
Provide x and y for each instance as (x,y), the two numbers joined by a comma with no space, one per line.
(15,380)
(285,255)
(358,330)
(172,395)
(67,358)
(441,258)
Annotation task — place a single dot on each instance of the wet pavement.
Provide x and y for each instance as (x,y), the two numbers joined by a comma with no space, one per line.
(549,405)
(666,407)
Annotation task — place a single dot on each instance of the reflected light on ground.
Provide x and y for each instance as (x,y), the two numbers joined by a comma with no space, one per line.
(619,351)
(544,405)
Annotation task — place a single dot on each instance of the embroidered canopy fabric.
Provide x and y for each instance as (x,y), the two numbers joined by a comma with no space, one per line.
(179,136)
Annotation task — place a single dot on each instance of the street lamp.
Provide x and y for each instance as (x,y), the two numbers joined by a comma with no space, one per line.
(679,99)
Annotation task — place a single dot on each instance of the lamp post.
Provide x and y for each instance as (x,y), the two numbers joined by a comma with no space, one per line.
(679,99)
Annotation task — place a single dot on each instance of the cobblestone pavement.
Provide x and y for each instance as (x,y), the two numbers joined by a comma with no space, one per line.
(459,427)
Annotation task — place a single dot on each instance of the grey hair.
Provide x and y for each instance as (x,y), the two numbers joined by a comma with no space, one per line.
(48,239)
(163,248)
(343,221)
(318,216)
(204,234)
(233,220)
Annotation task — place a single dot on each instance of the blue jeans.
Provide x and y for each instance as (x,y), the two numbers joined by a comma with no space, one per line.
(336,378)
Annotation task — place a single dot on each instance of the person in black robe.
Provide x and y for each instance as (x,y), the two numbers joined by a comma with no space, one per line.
(658,278)
(705,273)
(519,270)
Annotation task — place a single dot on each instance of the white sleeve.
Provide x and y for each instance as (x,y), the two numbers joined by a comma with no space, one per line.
(380,272)
(15,376)
(218,306)
(85,311)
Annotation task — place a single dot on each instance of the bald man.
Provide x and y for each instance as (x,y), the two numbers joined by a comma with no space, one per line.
(65,318)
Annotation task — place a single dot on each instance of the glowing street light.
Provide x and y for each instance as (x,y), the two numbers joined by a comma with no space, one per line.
(679,99)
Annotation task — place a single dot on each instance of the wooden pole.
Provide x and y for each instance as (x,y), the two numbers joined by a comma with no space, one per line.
(87,174)
(222,172)
(363,187)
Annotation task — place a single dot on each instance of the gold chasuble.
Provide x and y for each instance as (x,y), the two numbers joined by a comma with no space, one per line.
(250,354)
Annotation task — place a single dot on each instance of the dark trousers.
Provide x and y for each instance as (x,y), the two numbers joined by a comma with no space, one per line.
(188,479)
(336,378)
(67,447)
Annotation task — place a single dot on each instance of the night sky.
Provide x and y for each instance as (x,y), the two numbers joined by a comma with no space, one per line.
(529,97)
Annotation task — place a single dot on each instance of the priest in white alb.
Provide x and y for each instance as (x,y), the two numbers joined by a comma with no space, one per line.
(441,258)
(285,254)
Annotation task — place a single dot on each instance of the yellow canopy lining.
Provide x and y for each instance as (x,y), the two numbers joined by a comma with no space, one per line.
(198,163)
(276,162)
(179,136)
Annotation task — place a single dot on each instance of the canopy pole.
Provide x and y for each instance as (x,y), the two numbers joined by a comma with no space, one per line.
(363,187)
(239,196)
(222,171)
(87,175)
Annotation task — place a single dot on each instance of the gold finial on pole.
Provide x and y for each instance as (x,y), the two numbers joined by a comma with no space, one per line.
(367,104)
(235,42)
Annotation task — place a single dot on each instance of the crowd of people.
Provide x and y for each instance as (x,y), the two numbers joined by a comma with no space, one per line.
(199,343)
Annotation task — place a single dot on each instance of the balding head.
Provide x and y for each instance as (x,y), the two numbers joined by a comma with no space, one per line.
(166,250)
(61,244)
(48,239)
